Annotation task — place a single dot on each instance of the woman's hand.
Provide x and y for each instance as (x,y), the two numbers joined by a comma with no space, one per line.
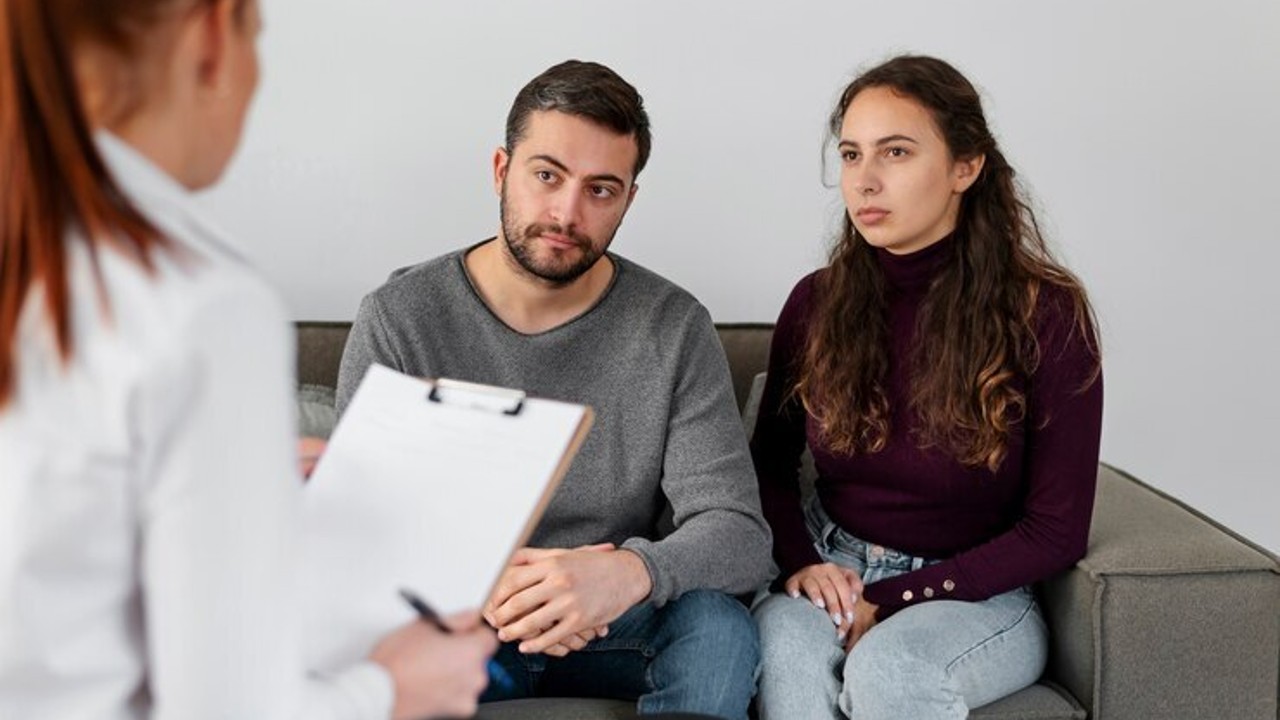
(833,588)
(864,618)
(437,674)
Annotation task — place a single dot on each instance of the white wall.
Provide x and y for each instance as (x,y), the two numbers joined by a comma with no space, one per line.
(1148,132)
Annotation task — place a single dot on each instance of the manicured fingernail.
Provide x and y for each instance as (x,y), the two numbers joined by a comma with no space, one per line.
(502,635)
(795,594)
(848,615)
(819,602)
(835,618)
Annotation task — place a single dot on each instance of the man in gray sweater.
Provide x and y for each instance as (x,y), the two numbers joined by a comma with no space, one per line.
(604,602)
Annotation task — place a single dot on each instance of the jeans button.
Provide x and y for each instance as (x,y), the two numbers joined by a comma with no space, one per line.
(877,551)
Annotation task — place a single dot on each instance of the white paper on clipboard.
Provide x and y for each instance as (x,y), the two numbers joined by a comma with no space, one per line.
(427,486)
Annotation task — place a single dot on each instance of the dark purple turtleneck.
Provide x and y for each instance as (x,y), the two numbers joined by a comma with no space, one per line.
(993,531)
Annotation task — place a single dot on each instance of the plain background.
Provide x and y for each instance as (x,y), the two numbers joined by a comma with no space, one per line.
(1148,134)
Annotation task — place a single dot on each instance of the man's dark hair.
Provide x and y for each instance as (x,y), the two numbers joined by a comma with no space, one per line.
(587,90)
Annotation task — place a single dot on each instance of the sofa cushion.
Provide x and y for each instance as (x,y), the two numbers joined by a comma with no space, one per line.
(316,414)
(1038,702)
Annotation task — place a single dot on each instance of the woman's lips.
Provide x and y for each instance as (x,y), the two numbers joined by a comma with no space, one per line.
(871,215)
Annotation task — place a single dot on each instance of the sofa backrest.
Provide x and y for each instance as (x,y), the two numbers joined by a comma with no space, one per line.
(320,351)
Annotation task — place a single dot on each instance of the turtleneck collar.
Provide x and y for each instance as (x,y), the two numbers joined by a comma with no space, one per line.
(912,273)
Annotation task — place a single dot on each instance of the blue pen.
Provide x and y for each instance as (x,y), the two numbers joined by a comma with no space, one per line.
(497,674)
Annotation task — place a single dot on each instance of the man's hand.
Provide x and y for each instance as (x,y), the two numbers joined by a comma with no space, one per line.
(576,642)
(831,587)
(526,556)
(557,600)
(309,451)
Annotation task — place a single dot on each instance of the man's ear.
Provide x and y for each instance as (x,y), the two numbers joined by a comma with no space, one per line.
(501,164)
(967,172)
(631,195)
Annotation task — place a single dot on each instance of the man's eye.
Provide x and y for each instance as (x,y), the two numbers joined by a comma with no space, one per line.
(602,191)
(545,176)
(849,155)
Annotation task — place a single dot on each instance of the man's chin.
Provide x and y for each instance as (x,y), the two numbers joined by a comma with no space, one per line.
(560,273)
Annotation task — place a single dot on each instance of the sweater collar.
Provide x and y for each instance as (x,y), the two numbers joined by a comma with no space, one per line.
(912,272)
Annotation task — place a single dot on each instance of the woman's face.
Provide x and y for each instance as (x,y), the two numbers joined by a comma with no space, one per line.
(901,186)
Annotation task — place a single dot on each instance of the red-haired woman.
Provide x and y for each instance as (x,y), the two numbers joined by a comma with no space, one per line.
(148,493)
(944,371)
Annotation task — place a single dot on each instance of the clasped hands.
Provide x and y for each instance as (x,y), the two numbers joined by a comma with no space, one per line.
(555,601)
(838,590)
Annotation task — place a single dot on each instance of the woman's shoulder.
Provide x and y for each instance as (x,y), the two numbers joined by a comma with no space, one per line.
(1065,334)
(1060,311)
(188,303)
(804,292)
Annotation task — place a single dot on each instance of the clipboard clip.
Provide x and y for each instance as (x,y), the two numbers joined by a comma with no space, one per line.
(477,396)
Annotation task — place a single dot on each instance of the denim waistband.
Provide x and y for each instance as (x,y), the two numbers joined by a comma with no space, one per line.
(836,545)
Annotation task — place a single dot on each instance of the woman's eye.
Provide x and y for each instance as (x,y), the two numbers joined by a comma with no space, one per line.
(897,152)
(849,155)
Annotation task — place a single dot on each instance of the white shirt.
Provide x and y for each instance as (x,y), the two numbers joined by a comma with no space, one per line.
(149,496)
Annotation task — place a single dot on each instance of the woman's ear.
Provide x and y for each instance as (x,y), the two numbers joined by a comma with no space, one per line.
(966,172)
(210,30)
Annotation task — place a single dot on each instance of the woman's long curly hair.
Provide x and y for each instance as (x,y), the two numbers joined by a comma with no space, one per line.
(975,332)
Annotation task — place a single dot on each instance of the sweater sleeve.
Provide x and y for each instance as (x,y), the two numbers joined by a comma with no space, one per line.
(368,343)
(720,540)
(1060,470)
(778,440)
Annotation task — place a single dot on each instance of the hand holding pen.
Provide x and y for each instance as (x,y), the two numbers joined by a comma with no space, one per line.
(437,671)
(497,675)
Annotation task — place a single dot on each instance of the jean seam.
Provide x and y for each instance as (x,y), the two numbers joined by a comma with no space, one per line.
(998,634)
(625,645)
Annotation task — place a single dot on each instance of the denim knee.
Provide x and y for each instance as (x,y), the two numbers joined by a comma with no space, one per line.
(800,654)
(708,654)
(790,629)
(708,621)
(715,616)
(886,681)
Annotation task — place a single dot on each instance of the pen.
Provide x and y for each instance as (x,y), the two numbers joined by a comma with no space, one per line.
(426,613)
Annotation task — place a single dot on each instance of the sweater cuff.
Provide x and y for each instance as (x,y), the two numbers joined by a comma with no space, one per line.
(664,585)
(933,582)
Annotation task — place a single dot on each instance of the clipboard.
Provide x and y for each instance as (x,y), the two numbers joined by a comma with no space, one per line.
(429,485)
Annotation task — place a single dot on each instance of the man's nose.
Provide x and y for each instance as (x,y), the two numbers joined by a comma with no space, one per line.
(566,207)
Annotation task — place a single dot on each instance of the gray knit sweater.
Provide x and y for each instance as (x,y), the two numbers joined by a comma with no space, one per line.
(647,359)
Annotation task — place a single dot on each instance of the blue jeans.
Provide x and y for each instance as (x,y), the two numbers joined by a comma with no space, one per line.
(697,654)
(934,660)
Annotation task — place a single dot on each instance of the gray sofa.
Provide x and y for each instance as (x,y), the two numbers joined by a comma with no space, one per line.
(1168,616)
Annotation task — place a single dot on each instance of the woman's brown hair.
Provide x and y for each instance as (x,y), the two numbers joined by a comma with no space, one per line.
(52,178)
(975,332)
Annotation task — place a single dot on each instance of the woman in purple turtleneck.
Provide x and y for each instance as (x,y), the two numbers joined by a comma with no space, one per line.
(944,372)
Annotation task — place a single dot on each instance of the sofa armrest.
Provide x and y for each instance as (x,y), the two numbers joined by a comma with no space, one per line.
(1169,615)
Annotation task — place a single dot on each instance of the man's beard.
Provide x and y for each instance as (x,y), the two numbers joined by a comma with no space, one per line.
(520,240)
